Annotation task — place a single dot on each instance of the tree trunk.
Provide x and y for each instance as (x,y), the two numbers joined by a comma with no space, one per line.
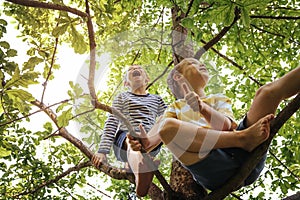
(183,183)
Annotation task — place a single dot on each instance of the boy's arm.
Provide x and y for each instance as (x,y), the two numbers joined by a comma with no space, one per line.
(147,141)
(216,119)
(110,127)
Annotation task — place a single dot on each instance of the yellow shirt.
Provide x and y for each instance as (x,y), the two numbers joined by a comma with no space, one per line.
(182,111)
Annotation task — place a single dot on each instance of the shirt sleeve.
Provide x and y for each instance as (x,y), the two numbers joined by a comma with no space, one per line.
(223,104)
(170,112)
(110,128)
(161,106)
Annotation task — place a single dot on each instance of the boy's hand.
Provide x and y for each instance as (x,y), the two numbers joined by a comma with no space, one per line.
(192,99)
(137,144)
(98,159)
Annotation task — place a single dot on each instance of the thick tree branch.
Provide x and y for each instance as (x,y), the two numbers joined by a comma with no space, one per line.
(293,197)
(63,132)
(258,153)
(38,4)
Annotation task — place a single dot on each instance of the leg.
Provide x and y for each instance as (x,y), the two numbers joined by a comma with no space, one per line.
(191,143)
(269,96)
(143,174)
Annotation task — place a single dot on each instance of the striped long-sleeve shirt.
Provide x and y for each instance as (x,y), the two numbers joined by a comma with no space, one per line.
(139,109)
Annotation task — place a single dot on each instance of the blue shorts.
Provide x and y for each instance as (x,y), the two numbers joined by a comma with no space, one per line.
(221,164)
(121,152)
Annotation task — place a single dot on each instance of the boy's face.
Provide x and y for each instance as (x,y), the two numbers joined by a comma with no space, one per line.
(195,73)
(136,77)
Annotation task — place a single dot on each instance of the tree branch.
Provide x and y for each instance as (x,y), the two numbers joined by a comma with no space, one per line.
(218,37)
(258,153)
(189,8)
(38,4)
(293,197)
(98,190)
(234,64)
(274,17)
(284,165)
(161,75)
(30,114)
(56,179)
(112,172)
(50,70)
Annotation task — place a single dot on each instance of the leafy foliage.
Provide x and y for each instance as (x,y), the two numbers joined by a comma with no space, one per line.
(260,47)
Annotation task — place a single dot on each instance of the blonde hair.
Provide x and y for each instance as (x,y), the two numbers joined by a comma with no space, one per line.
(173,85)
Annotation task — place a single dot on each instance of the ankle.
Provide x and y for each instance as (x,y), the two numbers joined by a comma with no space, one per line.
(241,139)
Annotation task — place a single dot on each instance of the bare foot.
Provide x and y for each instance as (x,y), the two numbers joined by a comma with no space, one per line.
(257,133)
(144,179)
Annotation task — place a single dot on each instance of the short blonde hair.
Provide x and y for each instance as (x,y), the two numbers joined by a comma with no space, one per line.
(173,84)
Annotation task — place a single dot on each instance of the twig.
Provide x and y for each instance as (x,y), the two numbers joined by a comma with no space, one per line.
(234,64)
(98,190)
(57,178)
(189,8)
(161,75)
(28,115)
(281,163)
(50,70)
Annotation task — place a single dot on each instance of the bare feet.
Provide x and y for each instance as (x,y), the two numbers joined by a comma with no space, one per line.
(144,179)
(256,134)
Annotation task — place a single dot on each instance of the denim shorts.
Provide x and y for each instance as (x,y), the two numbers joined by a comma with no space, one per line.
(119,150)
(221,164)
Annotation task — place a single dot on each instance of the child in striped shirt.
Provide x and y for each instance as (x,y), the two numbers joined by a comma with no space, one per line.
(139,107)
(200,132)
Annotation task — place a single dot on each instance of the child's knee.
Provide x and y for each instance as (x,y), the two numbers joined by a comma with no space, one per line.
(267,92)
(168,129)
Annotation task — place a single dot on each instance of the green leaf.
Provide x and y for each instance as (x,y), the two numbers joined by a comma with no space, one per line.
(48,126)
(245,17)
(12,53)
(78,42)
(4,152)
(64,118)
(229,15)
(4,44)
(20,94)
(3,22)
(32,62)
(60,30)
(199,36)
(187,22)
(61,107)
